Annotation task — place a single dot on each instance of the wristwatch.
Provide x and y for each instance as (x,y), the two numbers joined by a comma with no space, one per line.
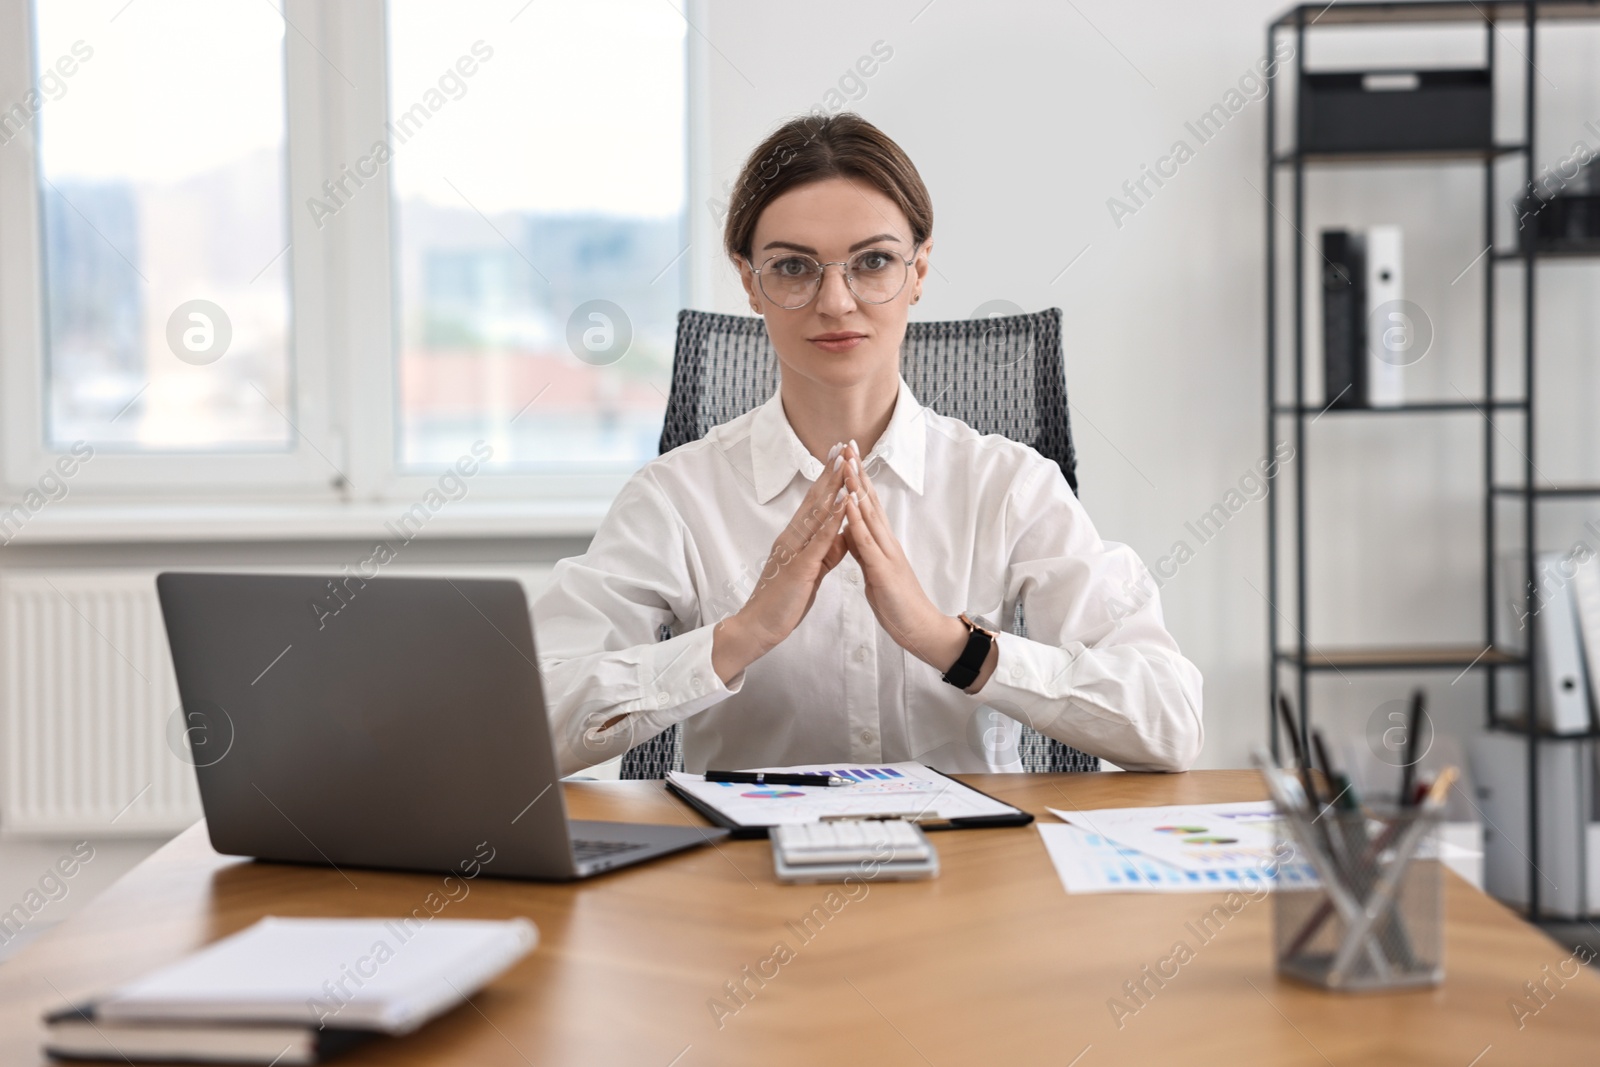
(966,668)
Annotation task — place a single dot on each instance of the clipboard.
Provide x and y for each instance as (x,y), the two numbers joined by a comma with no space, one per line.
(717,817)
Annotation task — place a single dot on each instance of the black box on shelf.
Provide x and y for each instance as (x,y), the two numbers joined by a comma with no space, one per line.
(1562,215)
(1567,223)
(1396,111)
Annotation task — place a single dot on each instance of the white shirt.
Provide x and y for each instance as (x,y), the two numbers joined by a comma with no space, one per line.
(985,523)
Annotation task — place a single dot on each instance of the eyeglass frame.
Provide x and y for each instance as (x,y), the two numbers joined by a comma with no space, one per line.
(822,274)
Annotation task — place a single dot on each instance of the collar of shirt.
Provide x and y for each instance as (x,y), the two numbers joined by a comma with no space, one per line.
(777,455)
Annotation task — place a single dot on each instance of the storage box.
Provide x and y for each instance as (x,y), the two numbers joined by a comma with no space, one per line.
(1396,111)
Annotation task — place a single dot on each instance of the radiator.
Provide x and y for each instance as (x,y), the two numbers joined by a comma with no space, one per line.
(89,714)
(86,695)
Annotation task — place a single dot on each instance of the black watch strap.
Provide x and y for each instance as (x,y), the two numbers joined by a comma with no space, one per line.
(966,668)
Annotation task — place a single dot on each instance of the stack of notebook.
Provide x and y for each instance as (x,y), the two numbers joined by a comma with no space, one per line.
(293,991)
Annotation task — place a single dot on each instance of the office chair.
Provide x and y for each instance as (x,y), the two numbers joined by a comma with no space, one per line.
(1000,375)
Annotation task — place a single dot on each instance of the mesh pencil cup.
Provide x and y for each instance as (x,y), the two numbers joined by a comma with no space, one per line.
(1376,920)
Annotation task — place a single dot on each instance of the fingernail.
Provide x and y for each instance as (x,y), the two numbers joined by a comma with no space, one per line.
(855,467)
(837,463)
(855,500)
(854,447)
(838,498)
(834,451)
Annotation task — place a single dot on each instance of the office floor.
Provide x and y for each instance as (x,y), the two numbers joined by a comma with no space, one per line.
(28,866)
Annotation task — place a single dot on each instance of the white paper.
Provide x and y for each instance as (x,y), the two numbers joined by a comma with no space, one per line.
(1195,837)
(906,789)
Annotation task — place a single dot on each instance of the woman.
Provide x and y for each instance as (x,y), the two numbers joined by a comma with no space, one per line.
(835,564)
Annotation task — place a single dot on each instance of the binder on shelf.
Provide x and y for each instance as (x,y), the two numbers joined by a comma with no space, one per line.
(1389,334)
(1561,679)
(1586,596)
(1366,337)
(1344,283)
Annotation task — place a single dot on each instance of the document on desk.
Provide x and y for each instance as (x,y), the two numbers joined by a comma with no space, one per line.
(1195,837)
(1089,860)
(906,790)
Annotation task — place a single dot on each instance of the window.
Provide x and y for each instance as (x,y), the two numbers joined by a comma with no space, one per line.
(161,140)
(305,251)
(538,178)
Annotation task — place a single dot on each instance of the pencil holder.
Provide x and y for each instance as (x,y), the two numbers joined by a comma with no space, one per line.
(1376,920)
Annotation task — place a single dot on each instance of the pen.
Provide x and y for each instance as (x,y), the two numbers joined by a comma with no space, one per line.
(1301,760)
(1344,793)
(1409,769)
(775,778)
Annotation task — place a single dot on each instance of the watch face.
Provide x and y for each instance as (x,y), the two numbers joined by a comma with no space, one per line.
(972,625)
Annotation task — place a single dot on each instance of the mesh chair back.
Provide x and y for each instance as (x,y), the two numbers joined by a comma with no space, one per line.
(1002,375)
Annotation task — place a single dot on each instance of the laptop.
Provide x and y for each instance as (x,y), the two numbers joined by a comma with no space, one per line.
(383,722)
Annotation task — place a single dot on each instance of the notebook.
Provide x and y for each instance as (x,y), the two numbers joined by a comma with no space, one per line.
(80,1034)
(287,987)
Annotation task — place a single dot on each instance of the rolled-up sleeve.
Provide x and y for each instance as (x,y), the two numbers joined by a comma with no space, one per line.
(1098,669)
(598,624)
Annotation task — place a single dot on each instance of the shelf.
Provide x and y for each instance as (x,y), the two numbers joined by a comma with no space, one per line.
(1586,919)
(1446,155)
(1510,67)
(1435,11)
(1566,254)
(1420,407)
(1416,657)
(1569,491)
(1512,726)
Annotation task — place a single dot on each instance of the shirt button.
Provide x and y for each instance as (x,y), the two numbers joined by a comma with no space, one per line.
(853,577)
(866,737)
(861,654)
(664,698)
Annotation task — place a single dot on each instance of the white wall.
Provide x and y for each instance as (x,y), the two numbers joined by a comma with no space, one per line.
(1024,118)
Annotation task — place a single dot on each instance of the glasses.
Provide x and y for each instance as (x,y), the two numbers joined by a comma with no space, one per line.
(874,275)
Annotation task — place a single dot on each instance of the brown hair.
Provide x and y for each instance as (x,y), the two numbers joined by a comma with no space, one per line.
(815,147)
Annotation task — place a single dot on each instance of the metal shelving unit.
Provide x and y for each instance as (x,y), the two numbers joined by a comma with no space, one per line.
(1298,658)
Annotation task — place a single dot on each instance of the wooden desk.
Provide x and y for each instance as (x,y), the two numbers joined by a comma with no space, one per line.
(991,963)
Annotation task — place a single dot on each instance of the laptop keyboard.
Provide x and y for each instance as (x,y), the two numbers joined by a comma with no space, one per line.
(593,850)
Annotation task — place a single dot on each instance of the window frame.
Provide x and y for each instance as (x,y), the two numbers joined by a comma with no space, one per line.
(343,311)
(23,374)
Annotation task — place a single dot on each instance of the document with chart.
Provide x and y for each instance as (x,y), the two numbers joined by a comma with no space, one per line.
(897,790)
(1194,837)
(1172,849)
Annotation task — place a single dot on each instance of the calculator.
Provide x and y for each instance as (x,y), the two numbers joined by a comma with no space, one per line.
(870,849)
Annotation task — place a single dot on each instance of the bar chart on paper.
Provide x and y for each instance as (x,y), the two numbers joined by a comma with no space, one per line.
(1088,862)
